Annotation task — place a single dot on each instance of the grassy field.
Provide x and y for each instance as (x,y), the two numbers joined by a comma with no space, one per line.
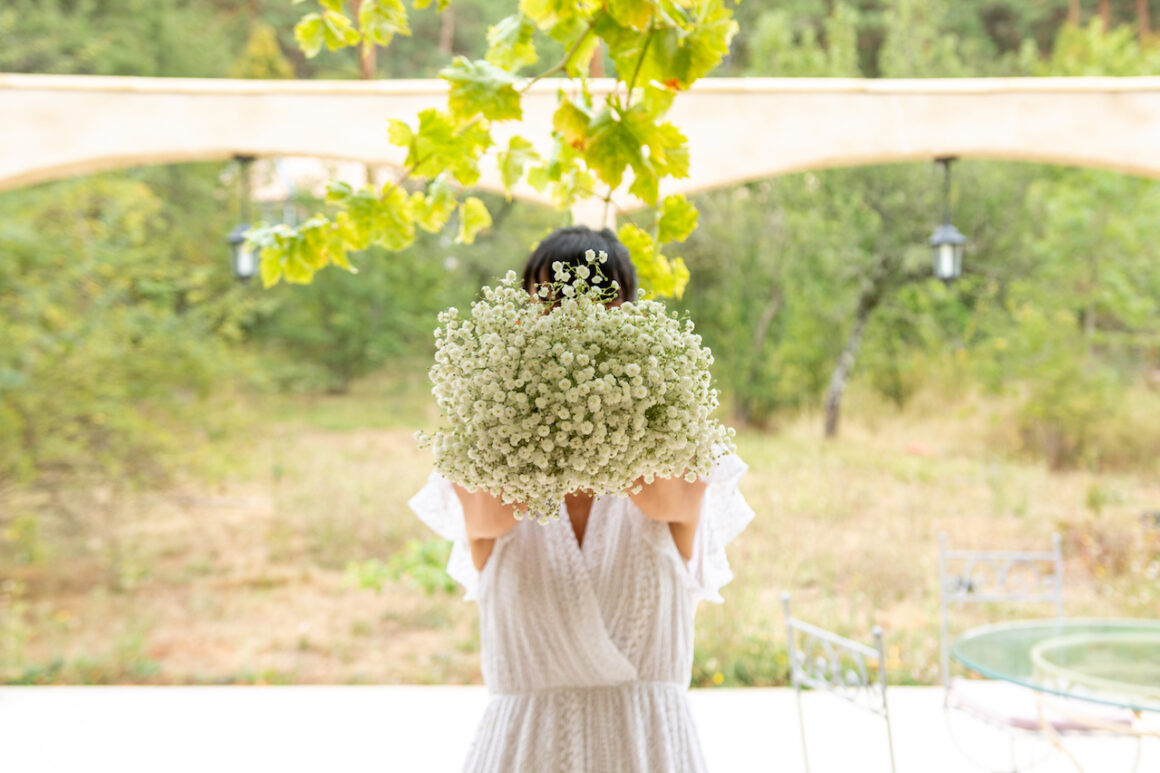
(244,578)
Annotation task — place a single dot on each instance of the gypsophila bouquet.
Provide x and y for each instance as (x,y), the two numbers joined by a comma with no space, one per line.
(559,392)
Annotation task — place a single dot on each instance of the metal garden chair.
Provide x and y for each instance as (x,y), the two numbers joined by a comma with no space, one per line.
(990,576)
(823,660)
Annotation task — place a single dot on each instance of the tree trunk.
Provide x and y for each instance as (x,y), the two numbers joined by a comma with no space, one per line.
(763,324)
(841,374)
(596,65)
(366,62)
(447,31)
(1143,20)
(366,52)
(366,72)
(759,333)
(1089,312)
(1106,14)
(867,302)
(1073,12)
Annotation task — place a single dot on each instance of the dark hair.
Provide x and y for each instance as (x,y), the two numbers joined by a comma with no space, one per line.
(568,245)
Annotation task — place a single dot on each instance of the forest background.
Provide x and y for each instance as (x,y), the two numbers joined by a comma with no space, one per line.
(176,446)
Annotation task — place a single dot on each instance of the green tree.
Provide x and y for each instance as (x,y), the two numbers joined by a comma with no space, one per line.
(263,57)
(1091,50)
(106,347)
(1068,337)
(115,37)
(118,312)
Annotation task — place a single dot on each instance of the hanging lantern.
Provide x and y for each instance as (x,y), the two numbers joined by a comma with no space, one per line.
(242,258)
(947,245)
(947,242)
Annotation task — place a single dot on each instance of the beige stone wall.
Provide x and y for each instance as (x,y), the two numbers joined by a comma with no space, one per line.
(738,129)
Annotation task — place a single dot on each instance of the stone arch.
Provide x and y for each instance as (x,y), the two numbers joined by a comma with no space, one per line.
(739,130)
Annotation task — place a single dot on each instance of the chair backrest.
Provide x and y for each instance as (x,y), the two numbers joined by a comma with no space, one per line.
(823,660)
(996,576)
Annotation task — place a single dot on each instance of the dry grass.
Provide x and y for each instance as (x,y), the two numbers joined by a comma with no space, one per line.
(244,582)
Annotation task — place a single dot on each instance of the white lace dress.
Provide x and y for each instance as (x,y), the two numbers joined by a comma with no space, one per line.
(587,650)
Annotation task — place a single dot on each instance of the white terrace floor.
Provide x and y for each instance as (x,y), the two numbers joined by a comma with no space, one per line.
(389,729)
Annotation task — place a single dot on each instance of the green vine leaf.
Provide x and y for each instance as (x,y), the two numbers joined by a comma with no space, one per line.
(582,42)
(512,161)
(691,42)
(308,34)
(473,218)
(330,28)
(295,255)
(560,15)
(571,122)
(399,133)
(657,274)
(386,219)
(668,148)
(678,219)
(433,209)
(565,174)
(510,44)
(656,100)
(635,14)
(687,52)
(619,140)
(481,88)
(612,147)
(381,20)
(443,144)
(393,224)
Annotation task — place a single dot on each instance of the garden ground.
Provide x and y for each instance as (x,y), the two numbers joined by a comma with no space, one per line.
(249,579)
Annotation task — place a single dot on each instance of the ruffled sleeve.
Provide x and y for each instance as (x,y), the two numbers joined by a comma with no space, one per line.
(724,515)
(437,506)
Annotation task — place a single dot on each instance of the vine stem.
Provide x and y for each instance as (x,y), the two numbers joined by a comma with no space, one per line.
(639,61)
(607,204)
(563,63)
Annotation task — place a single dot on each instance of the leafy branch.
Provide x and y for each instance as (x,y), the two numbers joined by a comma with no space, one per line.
(663,45)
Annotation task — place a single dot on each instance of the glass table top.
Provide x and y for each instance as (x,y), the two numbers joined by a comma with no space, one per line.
(1116,662)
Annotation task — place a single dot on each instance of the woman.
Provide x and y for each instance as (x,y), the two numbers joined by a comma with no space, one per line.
(586,623)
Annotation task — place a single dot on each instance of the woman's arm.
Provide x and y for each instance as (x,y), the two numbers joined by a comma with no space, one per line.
(485,517)
(674,501)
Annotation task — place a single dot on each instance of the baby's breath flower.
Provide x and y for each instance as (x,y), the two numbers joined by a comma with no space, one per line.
(583,397)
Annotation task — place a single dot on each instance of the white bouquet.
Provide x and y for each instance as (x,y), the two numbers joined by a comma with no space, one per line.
(544,396)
